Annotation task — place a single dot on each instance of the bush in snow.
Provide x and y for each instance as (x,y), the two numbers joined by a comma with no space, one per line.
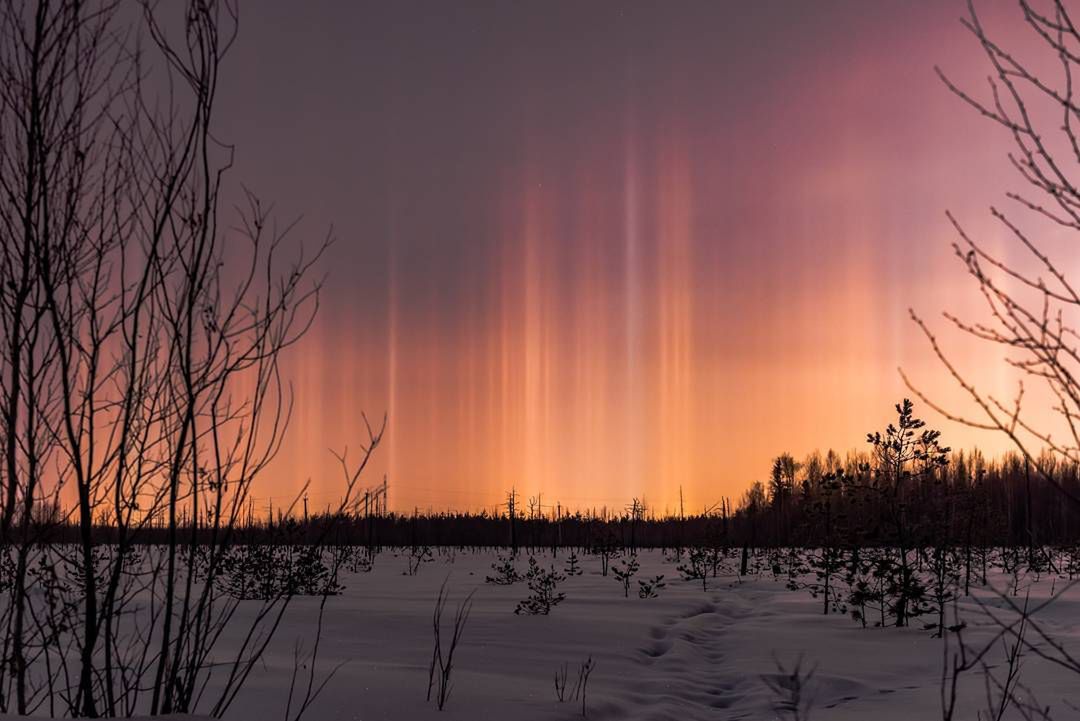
(418,555)
(625,573)
(651,587)
(573,568)
(543,590)
(442,659)
(696,567)
(505,572)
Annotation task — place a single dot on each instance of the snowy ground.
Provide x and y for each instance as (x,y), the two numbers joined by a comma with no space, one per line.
(686,655)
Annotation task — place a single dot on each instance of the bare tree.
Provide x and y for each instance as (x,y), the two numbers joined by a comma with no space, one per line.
(1030,309)
(1030,304)
(442,658)
(140,383)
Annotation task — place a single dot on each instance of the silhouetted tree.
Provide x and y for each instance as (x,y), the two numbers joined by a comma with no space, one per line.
(140,384)
(1030,302)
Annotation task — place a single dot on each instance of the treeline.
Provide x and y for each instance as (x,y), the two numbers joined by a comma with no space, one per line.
(989,502)
(1004,501)
(904,489)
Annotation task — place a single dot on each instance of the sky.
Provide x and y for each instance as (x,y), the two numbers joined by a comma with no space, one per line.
(596,251)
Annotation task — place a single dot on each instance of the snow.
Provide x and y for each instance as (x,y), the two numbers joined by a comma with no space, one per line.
(689,654)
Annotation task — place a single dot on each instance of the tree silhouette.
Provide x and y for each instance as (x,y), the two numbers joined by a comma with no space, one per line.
(141,392)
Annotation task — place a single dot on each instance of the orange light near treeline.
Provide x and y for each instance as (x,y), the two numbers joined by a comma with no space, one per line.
(670,292)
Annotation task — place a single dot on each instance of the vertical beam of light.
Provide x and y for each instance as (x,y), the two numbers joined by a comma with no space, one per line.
(501,407)
(588,399)
(633,440)
(675,415)
(538,340)
(392,406)
(655,278)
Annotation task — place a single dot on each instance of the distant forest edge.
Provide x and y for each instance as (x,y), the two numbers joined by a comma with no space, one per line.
(905,489)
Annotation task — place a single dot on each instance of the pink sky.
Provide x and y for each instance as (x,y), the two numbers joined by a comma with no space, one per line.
(610,250)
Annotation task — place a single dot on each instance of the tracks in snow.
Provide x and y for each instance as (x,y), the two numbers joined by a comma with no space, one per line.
(687,670)
(694,666)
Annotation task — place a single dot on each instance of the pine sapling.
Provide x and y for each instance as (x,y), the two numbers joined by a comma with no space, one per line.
(543,590)
(625,574)
(695,567)
(651,587)
(505,572)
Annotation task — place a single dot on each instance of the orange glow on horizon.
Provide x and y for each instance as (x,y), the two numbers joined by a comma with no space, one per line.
(665,290)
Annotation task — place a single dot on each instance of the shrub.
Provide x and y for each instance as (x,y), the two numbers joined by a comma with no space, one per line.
(651,587)
(543,590)
(564,693)
(418,555)
(624,574)
(264,572)
(695,567)
(505,572)
(442,664)
(573,568)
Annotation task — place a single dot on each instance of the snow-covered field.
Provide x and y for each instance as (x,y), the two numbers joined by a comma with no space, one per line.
(688,654)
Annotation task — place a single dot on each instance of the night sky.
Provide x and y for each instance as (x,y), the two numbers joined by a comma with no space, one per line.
(604,250)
